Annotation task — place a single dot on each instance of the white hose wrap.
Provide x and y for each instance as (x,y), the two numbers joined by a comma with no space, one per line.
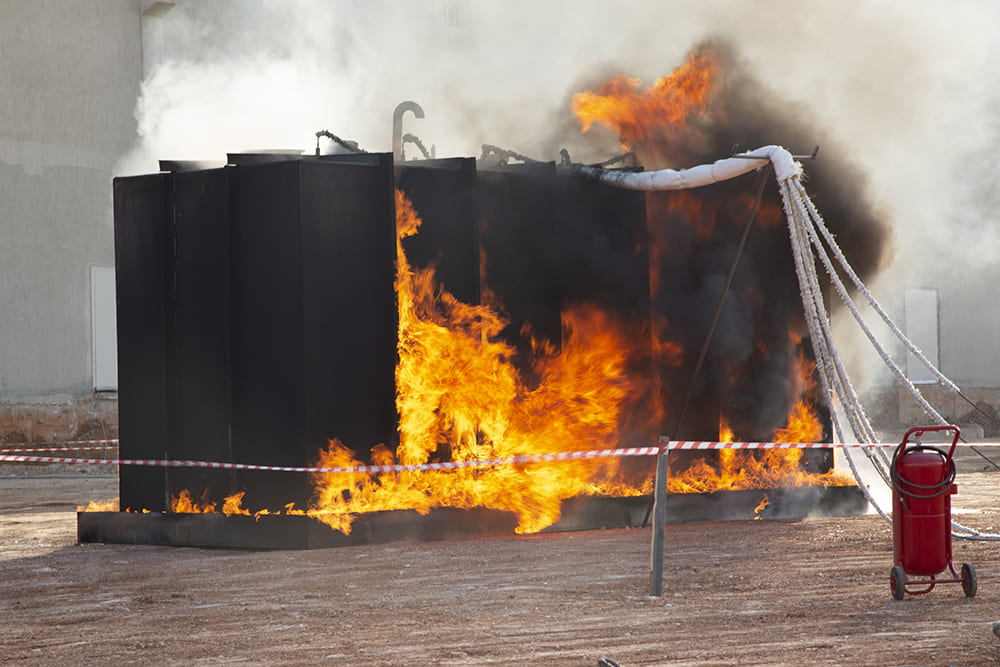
(784,164)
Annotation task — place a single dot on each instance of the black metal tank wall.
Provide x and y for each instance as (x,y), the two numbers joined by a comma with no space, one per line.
(198,332)
(517,224)
(443,194)
(143,214)
(552,239)
(256,319)
(603,259)
(257,314)
(173,331)
(313,316)
(602,248)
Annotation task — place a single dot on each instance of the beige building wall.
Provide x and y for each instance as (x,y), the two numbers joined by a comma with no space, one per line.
(70,72)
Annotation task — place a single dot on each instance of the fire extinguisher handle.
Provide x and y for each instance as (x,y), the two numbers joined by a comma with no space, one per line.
(919,431)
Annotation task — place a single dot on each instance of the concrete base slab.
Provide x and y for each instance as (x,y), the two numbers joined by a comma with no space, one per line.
(583,513)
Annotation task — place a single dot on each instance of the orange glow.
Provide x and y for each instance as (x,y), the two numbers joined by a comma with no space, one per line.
(99,506)
(726,433)
(231,505)
(766,468)
(751,469)
(234,504)
(764,502)
(633,114)
(183,504)
(803,425)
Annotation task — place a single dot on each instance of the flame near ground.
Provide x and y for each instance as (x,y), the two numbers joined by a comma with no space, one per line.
(456,385)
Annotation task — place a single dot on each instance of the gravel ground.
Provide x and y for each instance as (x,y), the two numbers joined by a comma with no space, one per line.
(749,593)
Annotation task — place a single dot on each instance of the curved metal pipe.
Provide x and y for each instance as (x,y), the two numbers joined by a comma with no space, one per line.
(397,126)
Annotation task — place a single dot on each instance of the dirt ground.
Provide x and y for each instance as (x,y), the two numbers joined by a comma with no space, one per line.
(736,593)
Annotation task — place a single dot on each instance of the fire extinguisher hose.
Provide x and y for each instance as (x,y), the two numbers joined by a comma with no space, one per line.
(924,491)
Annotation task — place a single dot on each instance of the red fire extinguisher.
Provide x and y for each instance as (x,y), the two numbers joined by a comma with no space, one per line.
(923,481)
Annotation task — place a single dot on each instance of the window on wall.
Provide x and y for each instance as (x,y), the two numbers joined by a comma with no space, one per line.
(104,335)
(921,318)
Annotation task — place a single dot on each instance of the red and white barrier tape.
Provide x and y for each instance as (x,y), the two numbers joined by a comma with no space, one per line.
(452,465)
(70,445)
(362,469)
(688,445)
(695,445)
(57,449)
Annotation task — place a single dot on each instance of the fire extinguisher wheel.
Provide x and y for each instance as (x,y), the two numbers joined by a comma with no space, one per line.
(897,581)
(969,584)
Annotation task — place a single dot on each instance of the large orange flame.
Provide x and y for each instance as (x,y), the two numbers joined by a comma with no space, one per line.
(768,468)
(633,114)
(460,398)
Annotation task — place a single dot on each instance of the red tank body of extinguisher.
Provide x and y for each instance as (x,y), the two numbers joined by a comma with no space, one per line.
(921,511)
(923,481)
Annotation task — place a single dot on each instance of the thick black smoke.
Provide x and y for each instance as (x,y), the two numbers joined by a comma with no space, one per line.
(751,359)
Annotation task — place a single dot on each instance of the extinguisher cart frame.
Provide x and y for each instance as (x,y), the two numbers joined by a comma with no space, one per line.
(899,582)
